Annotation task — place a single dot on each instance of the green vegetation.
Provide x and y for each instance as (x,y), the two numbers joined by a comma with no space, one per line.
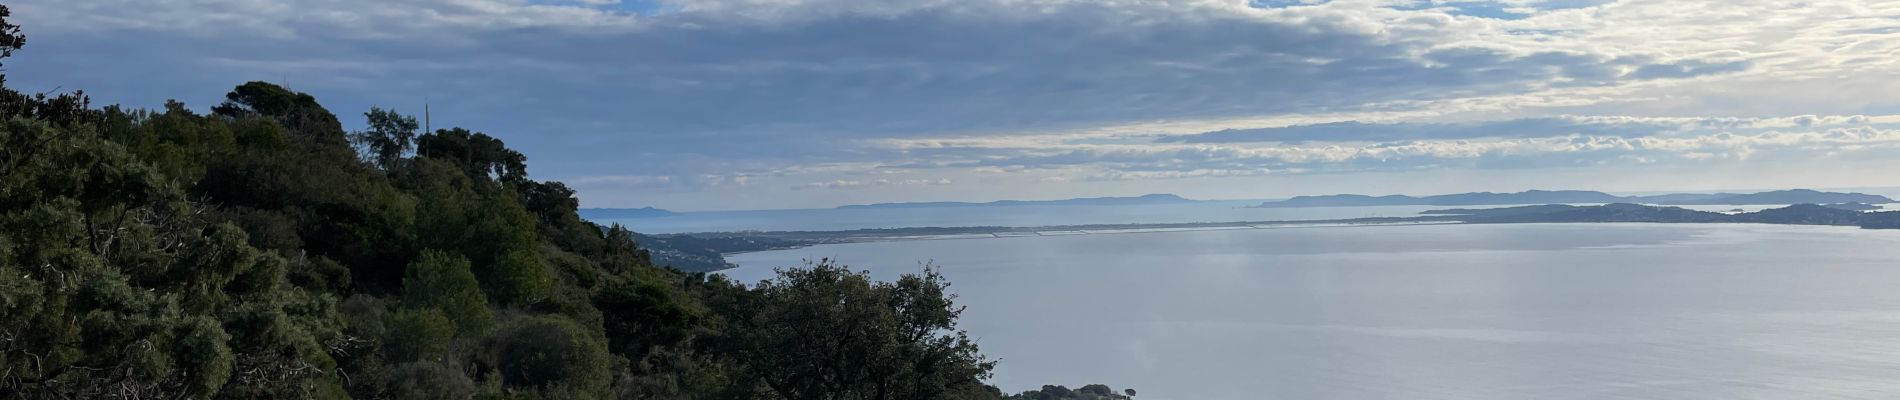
(261,251)
(1090,392)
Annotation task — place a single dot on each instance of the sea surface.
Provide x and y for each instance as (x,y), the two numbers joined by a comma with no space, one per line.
(1533,311)
(1015,216)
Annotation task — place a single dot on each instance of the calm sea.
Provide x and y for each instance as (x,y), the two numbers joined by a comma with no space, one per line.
(1579,311)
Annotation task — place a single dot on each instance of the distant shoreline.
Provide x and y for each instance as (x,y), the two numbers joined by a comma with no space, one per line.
(1801,214)
(1793,196)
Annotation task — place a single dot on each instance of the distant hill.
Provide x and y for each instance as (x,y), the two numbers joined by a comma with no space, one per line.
(1159,198)
(1797,196)
(1615,212)
(1853,206)
(624,213)
(1501,212)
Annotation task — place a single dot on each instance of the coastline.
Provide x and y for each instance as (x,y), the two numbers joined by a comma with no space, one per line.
(1613,213)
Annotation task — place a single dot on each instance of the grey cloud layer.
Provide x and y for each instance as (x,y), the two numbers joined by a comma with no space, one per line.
(684,95)
(762,70)
(1510,144)
(1517,128)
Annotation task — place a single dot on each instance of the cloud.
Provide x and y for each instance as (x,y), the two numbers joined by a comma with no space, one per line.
(849,184)
(715,94)
(1347,131)
(659,182)
(1687,69)
(1686,140)
(746,68)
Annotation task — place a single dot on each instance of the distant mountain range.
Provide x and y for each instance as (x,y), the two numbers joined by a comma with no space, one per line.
(1797,196)
(624,213)
(1158,198)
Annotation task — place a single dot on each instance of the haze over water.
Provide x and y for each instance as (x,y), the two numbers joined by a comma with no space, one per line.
(1577,311)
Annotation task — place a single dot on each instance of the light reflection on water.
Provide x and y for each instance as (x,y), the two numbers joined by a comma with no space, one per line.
(1575,311)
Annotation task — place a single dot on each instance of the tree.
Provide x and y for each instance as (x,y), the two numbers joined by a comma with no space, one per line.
(555,356)
(443,282)
(477,154)
(305,189)
(642,313)
(520,277)
(11,39)
(826,332)
(429,381)
(1088,392)
(295,110)
(418,335)
(115,286)
(58,109)
(390,136)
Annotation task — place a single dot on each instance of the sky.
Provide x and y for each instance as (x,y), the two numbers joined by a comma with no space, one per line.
(765,104)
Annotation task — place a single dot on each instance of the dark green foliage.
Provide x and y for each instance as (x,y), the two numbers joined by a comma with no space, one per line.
(555,356)
(418,334)
(484,221)
(389,137)
(116,285)
(443,283)
(520,277)
(59,109)
(319,274)
(826,332)
(314,197)
(297,111)
(10,37)
(202,349)
(428,381)
(643,312)
(477,154)
(1090,392)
